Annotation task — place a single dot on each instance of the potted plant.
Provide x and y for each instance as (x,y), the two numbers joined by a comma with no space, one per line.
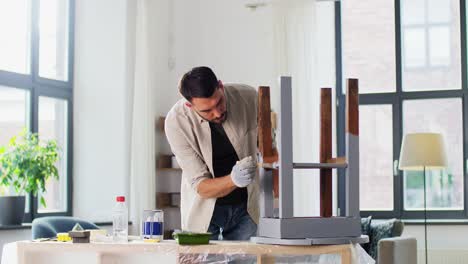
(26,164)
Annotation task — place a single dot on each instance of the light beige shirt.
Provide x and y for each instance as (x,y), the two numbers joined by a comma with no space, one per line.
(190,138)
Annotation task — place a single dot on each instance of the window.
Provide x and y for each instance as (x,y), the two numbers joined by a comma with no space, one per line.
(444,188)
(36,87)
(14,116)
(376,123)
(15,35)
(361,51)
(431,45)
(53,43)
(14,112)
(53,120)
(409,63)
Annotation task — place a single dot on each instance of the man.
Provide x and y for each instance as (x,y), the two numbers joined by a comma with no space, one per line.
(213,134)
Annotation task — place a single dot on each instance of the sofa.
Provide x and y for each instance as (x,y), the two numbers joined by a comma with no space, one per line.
(49,226)
(386,245)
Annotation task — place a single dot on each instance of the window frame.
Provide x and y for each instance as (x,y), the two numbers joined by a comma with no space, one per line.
(396,99)
(39,86)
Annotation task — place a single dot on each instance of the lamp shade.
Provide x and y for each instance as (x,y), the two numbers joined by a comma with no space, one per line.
(419,150)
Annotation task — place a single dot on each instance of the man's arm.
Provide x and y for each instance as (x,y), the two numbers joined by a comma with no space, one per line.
(216,187)
(193,167)
(241,175)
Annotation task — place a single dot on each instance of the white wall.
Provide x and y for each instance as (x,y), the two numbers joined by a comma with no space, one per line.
(101,108)
(445,243)
(234,41)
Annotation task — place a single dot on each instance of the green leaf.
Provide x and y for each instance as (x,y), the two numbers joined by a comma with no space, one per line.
(42,201)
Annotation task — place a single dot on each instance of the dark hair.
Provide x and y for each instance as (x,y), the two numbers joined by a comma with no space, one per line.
(199,82)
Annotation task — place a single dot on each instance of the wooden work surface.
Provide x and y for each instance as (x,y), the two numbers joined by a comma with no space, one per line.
(23,252)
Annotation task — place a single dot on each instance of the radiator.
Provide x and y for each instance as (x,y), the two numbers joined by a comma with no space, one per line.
(444,256)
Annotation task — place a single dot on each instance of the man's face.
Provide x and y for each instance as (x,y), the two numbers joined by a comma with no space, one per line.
(212,109)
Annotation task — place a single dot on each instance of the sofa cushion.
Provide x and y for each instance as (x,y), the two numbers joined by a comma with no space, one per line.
(383,229)
(366,225)
(365,230)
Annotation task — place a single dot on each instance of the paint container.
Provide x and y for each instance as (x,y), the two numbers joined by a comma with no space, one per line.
(152,225)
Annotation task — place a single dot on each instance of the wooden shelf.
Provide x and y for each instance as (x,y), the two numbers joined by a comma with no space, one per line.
(167,200)
(169,207)
(164,161)
(168,169)
(159,124)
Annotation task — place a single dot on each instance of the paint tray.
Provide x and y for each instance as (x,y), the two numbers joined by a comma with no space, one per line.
(191,238)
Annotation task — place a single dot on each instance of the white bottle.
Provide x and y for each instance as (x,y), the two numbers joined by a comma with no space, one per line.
(120,221)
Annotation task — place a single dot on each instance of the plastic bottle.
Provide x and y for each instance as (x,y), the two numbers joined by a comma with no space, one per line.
(120,221)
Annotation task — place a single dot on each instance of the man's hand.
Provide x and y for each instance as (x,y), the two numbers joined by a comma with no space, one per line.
(242,175)
(243,172)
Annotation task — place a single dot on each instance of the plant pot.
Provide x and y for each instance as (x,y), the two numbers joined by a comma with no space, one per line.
(12,210)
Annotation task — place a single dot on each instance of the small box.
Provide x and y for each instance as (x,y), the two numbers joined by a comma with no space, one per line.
(80,236)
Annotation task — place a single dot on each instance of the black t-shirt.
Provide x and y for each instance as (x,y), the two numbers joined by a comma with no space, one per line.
(224,158)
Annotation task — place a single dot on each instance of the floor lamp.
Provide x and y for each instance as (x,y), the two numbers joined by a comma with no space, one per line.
(421,152)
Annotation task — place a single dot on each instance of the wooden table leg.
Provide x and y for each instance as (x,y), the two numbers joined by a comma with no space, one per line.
(346,256)
(265,259)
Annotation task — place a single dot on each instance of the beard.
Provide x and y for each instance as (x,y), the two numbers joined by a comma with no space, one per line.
(221,119)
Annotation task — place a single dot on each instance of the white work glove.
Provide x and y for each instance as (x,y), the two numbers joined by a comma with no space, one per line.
(243,172)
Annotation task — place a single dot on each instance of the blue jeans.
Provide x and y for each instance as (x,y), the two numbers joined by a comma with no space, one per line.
(231,222)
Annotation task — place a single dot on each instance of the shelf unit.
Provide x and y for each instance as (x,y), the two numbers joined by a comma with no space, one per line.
(167,182)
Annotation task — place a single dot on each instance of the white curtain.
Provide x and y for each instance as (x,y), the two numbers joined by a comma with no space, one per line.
(142,175)
(295,47)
